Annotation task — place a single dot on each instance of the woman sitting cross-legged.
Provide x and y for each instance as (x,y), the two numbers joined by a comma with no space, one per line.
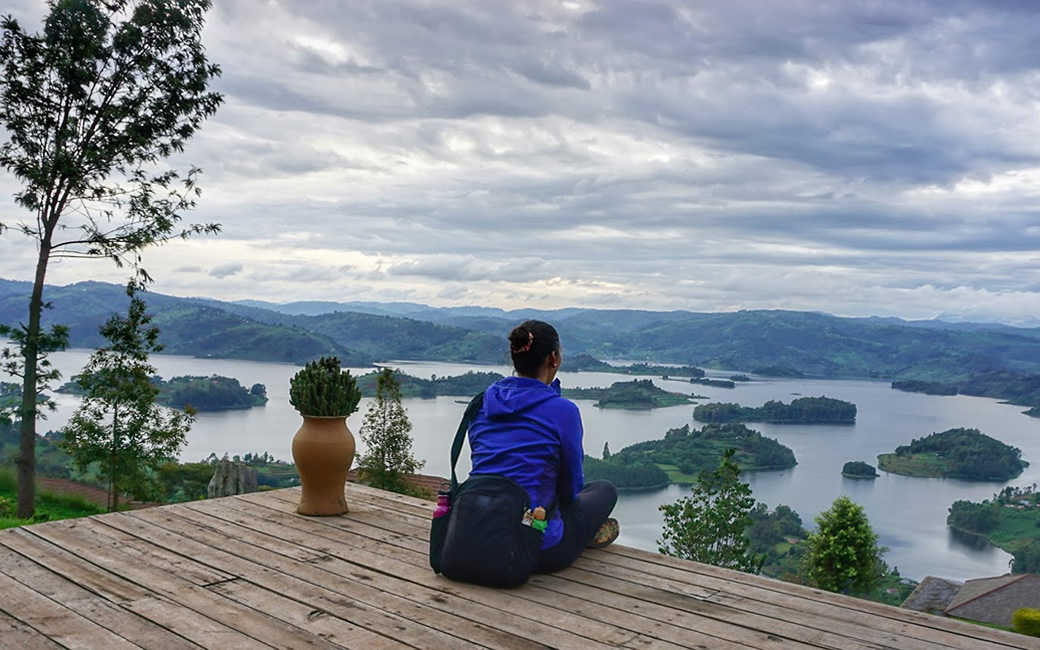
(528,432)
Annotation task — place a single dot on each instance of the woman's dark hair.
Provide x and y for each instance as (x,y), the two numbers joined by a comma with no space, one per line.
(530,343)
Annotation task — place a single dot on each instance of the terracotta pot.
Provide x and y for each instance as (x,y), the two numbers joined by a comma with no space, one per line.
(323,450)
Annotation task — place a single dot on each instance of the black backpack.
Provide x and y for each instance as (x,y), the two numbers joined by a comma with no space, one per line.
(485,537)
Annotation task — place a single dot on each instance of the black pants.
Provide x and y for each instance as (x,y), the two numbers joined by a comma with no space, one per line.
(581,520)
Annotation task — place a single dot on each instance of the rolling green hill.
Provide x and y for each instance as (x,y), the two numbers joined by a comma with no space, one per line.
(996,361)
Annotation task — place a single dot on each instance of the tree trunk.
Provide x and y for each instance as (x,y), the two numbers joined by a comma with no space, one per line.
(27,447)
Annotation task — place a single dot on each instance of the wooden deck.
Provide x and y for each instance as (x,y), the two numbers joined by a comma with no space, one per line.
(247,572)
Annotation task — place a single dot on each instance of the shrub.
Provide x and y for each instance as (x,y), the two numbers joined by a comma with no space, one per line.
(322,389)
(1026,621)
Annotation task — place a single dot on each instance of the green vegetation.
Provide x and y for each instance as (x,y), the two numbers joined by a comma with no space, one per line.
(716,383)
(586,362)
(49,507)
(803,410)
(93,107)
(213,393)
(957,453)
(643,476)
(1026,621)
(119,428)
(323,389)
(779,537)
(693,451)
(843,553)
(388,459)
(467,384)
(711,524)
(859,469)
(635,394)
(1010,520)
(926,387)
(778,371)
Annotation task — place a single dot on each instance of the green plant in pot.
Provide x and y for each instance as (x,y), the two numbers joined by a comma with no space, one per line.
(323,448)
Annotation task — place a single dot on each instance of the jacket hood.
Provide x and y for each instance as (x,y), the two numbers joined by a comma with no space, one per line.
(514,395)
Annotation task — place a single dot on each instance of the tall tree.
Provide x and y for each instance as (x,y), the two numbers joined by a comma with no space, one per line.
(386,432)
(119,425)
(843,553)
(711,524)
(92,107)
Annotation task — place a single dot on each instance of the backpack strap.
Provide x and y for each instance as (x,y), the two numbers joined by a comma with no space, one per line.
(474,407)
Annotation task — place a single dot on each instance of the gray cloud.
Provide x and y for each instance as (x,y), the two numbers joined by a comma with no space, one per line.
(854,157)
(226,270)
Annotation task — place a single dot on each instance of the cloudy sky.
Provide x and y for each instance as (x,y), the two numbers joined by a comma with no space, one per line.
(857,158)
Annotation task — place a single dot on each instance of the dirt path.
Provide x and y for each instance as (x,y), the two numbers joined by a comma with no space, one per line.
(94,495)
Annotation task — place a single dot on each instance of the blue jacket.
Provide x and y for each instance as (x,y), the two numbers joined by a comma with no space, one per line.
(531,434)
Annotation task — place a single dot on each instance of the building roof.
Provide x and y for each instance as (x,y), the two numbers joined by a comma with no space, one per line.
(979,587)
(933,595)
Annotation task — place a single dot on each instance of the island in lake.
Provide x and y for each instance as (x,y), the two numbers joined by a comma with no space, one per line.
(803,410)
(468,384)
(859,469)
(957,453)
(213,393)
(636,394)
(587,363)
(684,452)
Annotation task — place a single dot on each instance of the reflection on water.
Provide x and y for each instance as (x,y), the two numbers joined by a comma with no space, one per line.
(968,540)
(908,513)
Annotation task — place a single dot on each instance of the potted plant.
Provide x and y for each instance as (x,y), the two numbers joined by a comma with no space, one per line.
(323,448)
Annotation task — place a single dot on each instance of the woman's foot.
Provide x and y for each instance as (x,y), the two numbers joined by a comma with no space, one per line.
(606,534)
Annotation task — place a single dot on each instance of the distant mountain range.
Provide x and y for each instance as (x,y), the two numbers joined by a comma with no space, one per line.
(363,332)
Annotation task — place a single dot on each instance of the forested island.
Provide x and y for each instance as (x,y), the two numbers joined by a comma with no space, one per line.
(1010,520)
(802,410)
(639,476)
(588,363)
(859,469)
(635,394)
(957,453)
(468,384)
(213,393)
(683,452)
(716,383)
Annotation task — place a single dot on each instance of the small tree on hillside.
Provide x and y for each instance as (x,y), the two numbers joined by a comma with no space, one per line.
(843,553)
(120,426)
(711,524)
(91,107)
(388,460)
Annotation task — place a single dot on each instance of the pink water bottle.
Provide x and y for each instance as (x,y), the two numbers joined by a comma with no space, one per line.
(443,505)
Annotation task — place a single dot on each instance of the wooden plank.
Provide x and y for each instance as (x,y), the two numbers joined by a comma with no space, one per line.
(319,622)
(384,577)
(118,620)
(311,580)
(271,521)
(16,634)
(752,638)
(275,522)
(808,603)
(55,621)
(228,623)
(163,612)
(92,578)
(881,631)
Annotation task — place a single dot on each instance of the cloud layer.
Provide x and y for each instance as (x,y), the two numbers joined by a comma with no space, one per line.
(853,157)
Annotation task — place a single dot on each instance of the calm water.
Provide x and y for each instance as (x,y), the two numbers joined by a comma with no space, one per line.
(908,513)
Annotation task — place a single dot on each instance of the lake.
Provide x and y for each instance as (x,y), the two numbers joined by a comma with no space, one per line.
(908,513)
